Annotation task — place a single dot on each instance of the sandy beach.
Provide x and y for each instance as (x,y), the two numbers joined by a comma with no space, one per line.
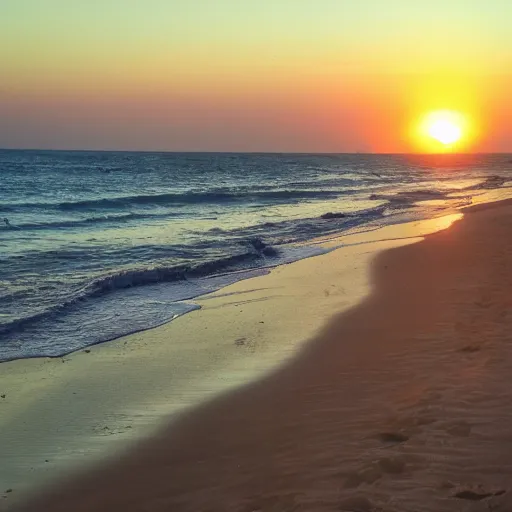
(66,413)
(399,402)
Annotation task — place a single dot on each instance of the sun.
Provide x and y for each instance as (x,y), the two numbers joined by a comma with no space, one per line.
(445,131)
(446,128)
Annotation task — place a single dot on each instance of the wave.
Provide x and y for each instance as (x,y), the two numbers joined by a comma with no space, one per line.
(409,197)
(190,197)
(145,276)
(223,195)
(490,182)
(89,221)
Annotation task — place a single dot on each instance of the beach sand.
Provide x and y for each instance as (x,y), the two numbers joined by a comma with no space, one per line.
(400,403)
(66,413)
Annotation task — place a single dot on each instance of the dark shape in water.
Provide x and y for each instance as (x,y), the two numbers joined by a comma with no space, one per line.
(333,215)
(269,251)
(258,244)
(8,225)
(261,247)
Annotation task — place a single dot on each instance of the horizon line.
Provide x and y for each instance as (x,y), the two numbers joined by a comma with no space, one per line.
(217,152)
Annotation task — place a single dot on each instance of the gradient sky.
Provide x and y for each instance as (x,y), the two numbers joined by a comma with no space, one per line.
(252,75)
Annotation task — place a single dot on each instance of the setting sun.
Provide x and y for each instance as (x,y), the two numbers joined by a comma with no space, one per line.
(443,130)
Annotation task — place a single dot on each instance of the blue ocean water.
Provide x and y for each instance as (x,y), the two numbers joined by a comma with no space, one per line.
(95,245)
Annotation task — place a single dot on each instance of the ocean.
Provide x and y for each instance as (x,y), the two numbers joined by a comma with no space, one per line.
(96,245)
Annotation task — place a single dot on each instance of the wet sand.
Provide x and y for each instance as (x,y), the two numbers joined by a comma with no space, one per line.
(401,403)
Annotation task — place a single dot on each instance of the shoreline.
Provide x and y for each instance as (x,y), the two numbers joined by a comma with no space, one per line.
(184,293)
(64,413)
(408,411)
(329,243)
(97,260)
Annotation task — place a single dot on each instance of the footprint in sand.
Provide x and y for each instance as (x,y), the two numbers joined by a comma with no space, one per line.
(478,493)
(393,437)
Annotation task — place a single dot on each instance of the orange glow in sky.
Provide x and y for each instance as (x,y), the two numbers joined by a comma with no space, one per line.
(257,75)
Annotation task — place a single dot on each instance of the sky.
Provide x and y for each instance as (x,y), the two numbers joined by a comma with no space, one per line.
(253,75)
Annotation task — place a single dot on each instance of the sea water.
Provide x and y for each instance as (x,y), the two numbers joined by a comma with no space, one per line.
(95,245)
